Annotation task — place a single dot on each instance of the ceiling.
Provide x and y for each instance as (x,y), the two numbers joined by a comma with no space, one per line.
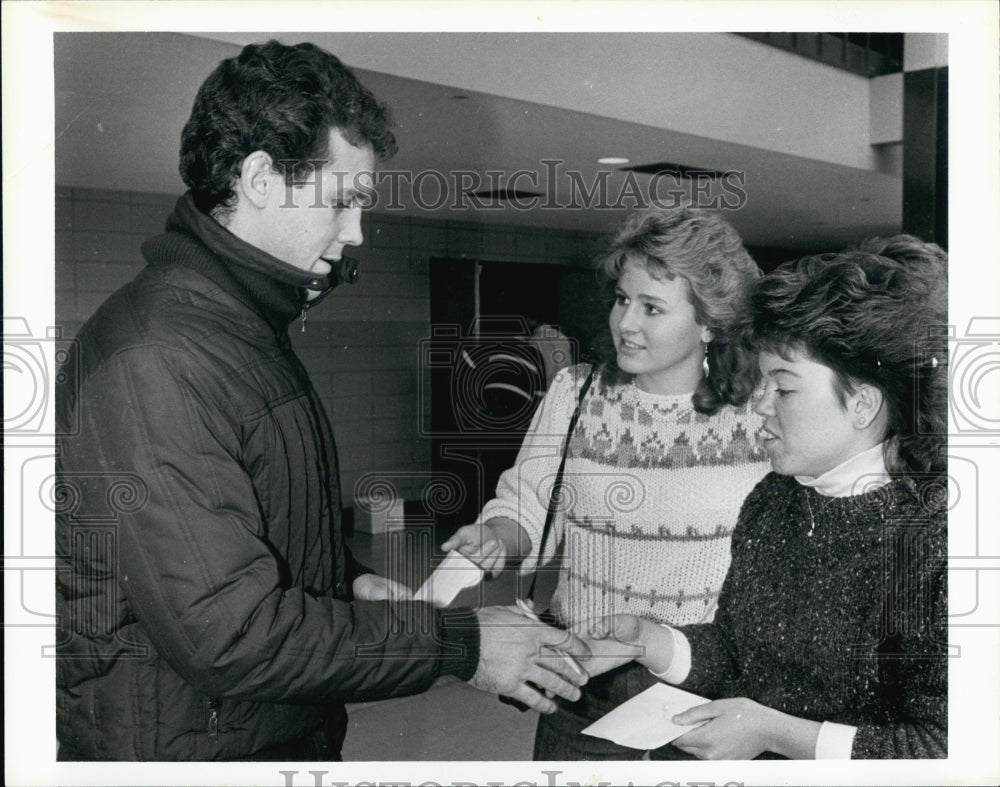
(795,132)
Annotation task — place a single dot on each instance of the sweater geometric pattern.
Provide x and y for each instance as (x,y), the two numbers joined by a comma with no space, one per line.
(651,492)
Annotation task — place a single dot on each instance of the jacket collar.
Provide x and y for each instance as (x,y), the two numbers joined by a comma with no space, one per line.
(272,288)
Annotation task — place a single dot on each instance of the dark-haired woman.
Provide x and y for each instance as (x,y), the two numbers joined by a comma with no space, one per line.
(830,638)
(658,462)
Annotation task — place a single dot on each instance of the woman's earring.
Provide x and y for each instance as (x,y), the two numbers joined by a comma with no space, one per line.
(704,361)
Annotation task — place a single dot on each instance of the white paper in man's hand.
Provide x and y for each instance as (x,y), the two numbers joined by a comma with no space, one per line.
(644,722)
(454,573)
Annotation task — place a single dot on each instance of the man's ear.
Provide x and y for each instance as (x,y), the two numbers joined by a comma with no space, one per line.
(257,178)
(867,404)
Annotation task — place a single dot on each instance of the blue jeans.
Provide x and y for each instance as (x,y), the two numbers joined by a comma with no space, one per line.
(558,735)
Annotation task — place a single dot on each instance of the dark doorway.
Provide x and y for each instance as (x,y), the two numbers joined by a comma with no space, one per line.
(485,378)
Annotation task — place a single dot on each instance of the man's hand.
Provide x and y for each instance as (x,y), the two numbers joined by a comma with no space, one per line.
(489,544)
(515,651)
(371,587)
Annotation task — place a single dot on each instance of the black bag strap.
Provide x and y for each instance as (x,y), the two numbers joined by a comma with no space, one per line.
(550,514)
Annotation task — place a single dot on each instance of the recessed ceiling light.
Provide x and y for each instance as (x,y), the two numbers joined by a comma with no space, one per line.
(459,97)
(613,160)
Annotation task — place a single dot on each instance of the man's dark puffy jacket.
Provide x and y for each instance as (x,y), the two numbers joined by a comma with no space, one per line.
(204,593)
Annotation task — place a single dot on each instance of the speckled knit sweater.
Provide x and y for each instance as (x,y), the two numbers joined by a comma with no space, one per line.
(652,492)
(846,623)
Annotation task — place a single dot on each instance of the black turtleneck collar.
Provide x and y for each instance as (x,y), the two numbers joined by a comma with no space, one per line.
(272,288)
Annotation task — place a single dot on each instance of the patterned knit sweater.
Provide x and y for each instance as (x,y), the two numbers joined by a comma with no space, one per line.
(846,624)
(651,494)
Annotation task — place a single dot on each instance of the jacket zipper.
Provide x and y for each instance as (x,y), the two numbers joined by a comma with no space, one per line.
(305,308)
(213,718)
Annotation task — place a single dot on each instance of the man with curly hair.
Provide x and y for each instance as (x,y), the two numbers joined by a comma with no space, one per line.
(220,616)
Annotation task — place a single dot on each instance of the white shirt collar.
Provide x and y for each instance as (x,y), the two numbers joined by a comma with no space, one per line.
(861,473)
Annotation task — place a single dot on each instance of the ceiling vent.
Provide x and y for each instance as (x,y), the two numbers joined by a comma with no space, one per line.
(501,194)
(676,170)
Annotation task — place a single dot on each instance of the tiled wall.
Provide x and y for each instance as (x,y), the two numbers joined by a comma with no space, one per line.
(360,346)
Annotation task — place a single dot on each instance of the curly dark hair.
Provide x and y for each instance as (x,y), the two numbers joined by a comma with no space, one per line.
(874,314)
(704,250)
(280,99)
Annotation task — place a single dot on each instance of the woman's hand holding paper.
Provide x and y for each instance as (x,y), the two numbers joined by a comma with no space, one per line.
(490,544)
(741,729)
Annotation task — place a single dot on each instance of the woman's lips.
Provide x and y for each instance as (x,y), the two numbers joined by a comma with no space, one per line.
(624,345)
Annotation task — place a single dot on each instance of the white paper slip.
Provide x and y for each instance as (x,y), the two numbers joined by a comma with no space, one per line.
(644,722)
(454,573)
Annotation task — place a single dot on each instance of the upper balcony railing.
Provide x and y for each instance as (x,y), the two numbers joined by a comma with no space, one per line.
(868,54)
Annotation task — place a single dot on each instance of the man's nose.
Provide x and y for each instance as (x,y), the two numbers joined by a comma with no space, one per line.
(350,228)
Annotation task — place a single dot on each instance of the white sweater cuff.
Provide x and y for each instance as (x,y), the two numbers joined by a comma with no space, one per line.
(680,664)
(835,741)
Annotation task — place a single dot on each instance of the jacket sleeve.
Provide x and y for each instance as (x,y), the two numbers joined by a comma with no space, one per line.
(913,657)
(523,490)
(201,580)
